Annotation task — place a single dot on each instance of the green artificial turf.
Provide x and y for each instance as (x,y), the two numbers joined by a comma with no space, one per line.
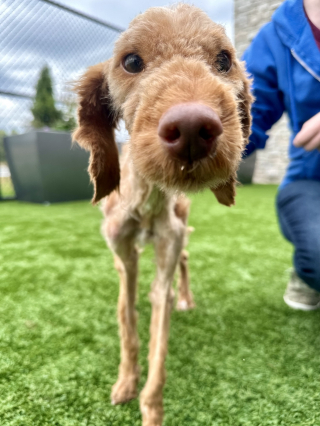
(242,357)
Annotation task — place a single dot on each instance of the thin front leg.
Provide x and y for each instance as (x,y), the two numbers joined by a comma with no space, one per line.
(185,298)
(125,388)
(168,250)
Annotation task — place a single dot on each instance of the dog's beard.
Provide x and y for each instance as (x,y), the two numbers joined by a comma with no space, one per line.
(170,174)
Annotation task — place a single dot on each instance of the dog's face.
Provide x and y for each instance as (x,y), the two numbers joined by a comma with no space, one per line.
(184,97)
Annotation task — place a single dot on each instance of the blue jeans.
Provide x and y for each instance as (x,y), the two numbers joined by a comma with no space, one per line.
(298,206)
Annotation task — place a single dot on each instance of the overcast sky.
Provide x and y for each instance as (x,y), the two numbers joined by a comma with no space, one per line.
(121,12)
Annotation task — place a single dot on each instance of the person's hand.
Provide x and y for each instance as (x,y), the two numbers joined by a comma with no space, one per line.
(309,136)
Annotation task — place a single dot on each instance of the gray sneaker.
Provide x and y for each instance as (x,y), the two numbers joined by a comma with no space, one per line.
(299,295)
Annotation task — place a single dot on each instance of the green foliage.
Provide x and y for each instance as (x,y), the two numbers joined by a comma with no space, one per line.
(3,134)
(66,125)
(2,151)
(240,358)
(7,190)
(68,122)
(44,111)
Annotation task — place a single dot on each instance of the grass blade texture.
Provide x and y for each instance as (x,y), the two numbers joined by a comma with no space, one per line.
(241,358)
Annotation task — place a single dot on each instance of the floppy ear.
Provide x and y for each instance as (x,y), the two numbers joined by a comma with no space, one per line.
(95,132)
(226,192)
(245,100)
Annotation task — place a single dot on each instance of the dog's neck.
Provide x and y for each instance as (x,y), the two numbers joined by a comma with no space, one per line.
(143,199)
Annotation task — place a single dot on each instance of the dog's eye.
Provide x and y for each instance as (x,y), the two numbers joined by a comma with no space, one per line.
(223,61)
(132,63)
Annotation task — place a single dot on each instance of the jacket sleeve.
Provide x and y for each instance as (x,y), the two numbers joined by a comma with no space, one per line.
(268,106)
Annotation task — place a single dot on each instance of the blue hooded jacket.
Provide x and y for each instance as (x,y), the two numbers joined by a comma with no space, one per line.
(284,62)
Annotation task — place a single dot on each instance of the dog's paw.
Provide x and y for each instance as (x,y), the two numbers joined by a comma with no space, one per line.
(124,390)
(185,304)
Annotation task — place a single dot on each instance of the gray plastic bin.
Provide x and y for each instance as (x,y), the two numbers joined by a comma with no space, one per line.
(46,168)
(246,169)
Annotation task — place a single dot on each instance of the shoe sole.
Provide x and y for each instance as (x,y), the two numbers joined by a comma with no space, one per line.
(300,306)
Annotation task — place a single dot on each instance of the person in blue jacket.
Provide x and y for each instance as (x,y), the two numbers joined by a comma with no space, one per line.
(284,62)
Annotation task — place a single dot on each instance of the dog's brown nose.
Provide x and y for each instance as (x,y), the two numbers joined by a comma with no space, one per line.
(189,131)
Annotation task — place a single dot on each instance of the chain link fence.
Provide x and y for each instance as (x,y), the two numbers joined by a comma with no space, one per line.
(38,33)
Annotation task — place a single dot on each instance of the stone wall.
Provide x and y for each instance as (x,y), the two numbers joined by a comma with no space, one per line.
(271,162)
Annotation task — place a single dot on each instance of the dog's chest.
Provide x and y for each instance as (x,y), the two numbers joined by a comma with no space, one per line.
(153,203)
(149,212)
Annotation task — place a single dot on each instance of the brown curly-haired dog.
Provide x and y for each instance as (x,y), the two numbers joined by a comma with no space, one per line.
(185,99)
